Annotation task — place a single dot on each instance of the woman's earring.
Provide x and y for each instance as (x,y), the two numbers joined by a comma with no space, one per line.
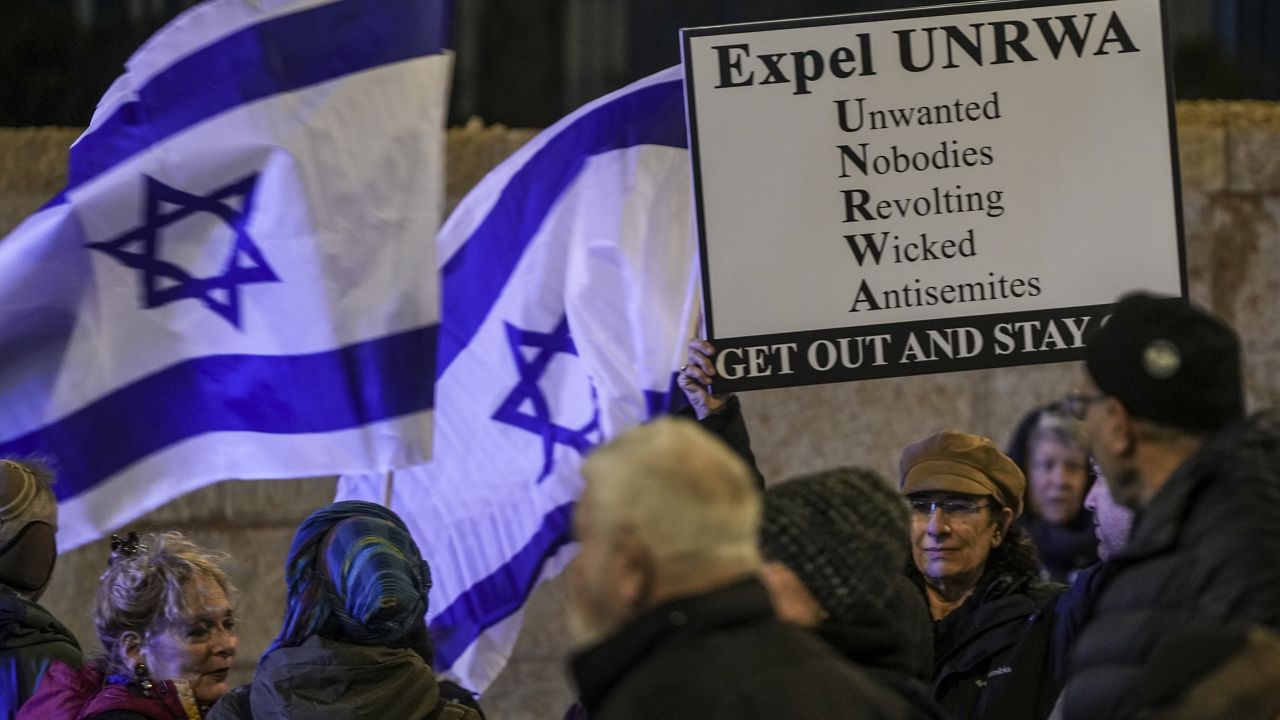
(142,679)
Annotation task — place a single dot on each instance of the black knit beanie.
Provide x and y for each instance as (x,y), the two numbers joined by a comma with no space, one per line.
(843,532)
(1169,362)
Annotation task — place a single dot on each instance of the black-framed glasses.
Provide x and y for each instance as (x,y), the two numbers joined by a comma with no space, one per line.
(1077,403)
(949,506)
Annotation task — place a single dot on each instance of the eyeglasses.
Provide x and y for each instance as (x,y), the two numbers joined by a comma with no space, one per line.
(950,506)
(1077,403)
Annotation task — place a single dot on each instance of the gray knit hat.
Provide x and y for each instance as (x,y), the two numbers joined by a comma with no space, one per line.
(843,532)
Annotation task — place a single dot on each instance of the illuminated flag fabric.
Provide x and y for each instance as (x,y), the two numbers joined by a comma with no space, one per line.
(237,280)
(568,279)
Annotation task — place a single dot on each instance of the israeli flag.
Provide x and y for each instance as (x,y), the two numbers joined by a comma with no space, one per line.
(568,280)
(237,280)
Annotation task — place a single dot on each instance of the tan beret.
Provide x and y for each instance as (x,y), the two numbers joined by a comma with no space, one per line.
(953,461)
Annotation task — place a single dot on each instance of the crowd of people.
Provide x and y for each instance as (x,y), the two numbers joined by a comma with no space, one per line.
(353,644)
(1119,559)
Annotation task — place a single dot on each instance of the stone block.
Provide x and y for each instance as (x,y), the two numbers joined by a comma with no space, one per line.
(1251,155)
(472,151)
(1201,157)
(1002,396)
(529,689)
(807,429)
(17,206)
(1262,380)
(247,502)
(34,160)
(1197,230)
(1243,240)
(545,633)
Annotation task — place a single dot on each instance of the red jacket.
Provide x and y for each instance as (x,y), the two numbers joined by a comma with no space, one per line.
(70,694)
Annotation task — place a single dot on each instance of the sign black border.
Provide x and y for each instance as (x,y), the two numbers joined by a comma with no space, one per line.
(687,34)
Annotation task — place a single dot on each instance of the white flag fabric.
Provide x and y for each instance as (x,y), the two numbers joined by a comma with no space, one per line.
(568,279)
(237,280)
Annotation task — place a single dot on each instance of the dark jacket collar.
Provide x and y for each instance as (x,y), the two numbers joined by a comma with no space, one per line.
(1248,445)
(877,639)
(599,669)
(1002,596)
(24,623)
(324,679)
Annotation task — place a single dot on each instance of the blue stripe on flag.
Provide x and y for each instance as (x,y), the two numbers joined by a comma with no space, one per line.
(278,55)
(503,592)
(474,277)
(665,402)
(280,394)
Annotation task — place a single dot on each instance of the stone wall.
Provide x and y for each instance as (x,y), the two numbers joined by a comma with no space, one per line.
(1230,157)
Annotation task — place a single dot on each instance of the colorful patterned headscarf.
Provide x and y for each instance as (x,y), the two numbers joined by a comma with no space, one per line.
(354,573)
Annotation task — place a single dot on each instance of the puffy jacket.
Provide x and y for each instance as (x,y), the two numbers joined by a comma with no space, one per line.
(1205,551)
(30,641)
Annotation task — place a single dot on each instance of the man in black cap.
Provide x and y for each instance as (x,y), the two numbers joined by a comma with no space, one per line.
(1163,402)
(30,638)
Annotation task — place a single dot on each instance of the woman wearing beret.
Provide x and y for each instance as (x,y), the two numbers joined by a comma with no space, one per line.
(993,616)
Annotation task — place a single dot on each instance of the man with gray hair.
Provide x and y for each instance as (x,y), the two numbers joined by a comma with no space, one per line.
(30,638)
(665,600)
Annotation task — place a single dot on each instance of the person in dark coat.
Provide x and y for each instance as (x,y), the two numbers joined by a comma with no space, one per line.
(665,604)
(354,645)
(1214,673)
(834,544)
(1164,404)
(993,615)
(31,639)
(1050,447)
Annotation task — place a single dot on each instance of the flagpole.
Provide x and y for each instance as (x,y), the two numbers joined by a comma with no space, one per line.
(386,495)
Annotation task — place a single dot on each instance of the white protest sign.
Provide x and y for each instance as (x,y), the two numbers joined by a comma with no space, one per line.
(929,190)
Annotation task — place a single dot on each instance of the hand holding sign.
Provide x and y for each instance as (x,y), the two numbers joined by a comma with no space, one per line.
(695,379)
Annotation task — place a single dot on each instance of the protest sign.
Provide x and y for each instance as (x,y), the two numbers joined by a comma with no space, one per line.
(930,190)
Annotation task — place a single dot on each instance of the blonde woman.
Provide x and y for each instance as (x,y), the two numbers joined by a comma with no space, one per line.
(165,619)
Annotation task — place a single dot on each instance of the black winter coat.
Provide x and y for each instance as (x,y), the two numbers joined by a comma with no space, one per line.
(876,645)
(724,655)
(994,655)
(30,640)
(1204,553)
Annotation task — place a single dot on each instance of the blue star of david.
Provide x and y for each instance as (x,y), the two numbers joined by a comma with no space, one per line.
(164,282)
(527,390)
